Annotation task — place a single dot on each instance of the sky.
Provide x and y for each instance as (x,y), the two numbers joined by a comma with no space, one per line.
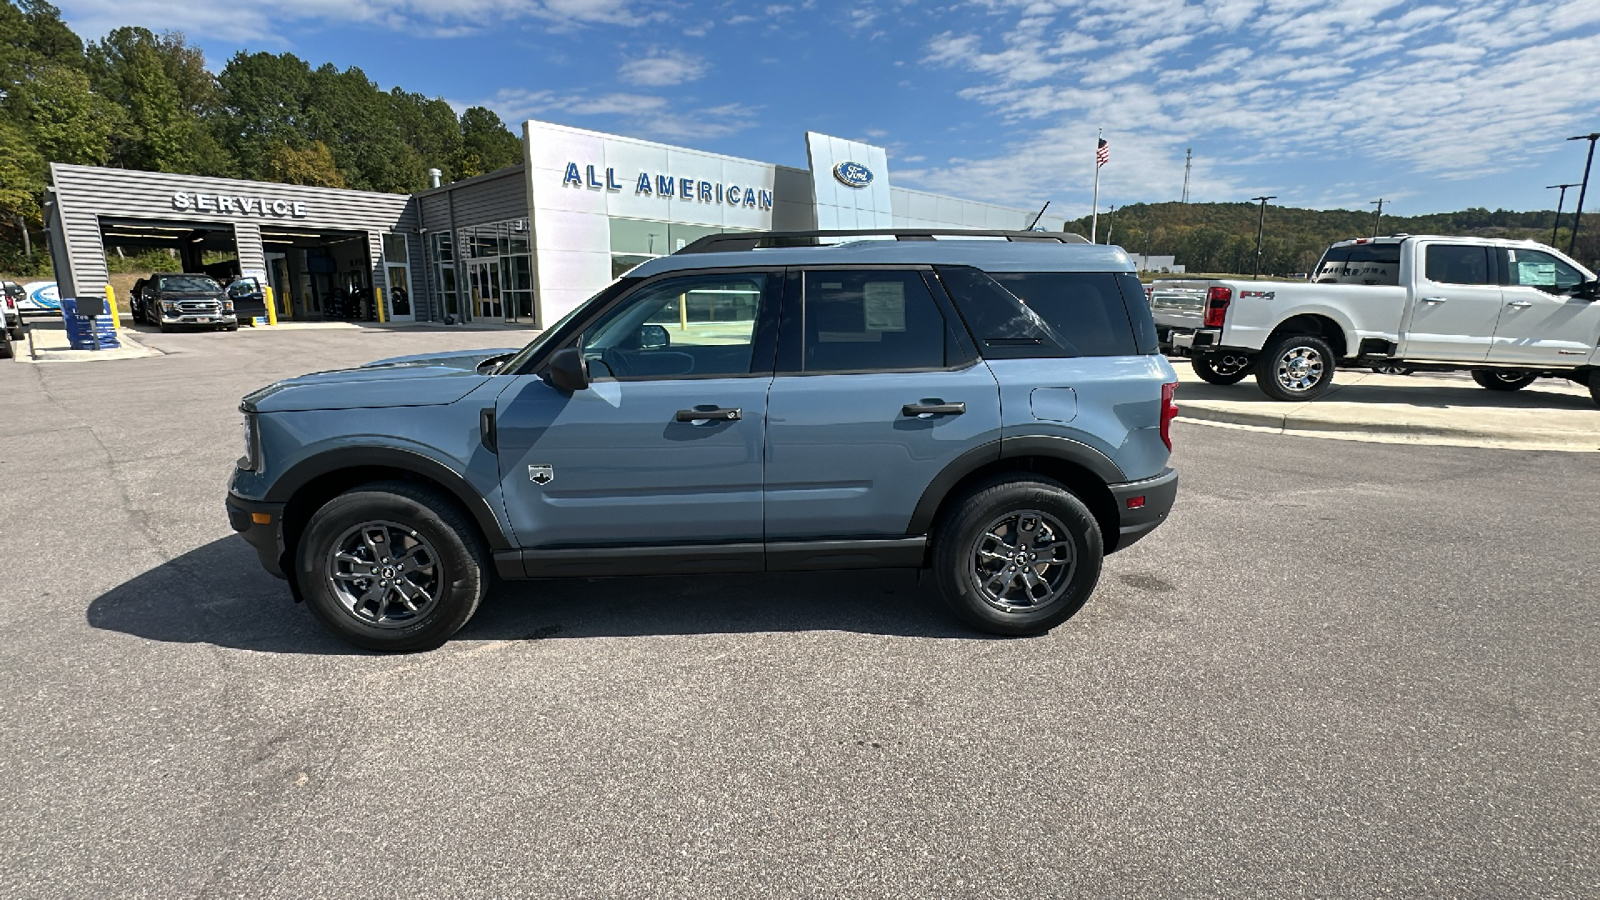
(1323,103)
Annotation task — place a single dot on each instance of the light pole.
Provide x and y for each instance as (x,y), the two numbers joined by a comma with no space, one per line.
(1261,225)
(1560,202)
(1572,244)
(1377,218)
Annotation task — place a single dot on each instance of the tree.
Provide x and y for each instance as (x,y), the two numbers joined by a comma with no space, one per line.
(313,165)
(163,85)
(66,120)
(486,145)
(265,100)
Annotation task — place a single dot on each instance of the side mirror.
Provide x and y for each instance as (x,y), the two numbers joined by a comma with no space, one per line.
(568,370)
(653,337)
(1589,290)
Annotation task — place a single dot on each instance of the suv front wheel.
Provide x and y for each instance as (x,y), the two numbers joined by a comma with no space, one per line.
(392,566)
(1018,556)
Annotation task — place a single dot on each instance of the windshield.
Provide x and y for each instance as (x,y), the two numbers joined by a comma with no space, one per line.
(187,283)
(513,365)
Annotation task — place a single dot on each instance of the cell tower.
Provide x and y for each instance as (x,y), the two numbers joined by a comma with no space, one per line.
(1188,163)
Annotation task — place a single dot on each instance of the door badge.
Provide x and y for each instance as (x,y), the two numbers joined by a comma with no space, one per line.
(541,474)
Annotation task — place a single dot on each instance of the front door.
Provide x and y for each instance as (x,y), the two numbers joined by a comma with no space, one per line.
(484,281)
(1542,322)
(878,390)
(1455,304)
(665,445)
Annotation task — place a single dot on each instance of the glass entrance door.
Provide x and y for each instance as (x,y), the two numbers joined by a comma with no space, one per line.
(484,280)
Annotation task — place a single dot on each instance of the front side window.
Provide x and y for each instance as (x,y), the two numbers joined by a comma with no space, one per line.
(1457,264)
(695,326)
(871,321)
(1534,268)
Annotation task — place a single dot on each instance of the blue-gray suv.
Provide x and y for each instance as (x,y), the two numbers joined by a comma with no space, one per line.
(991,406)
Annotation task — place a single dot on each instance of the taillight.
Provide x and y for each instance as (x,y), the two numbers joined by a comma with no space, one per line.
(1169,410)
(1217,300)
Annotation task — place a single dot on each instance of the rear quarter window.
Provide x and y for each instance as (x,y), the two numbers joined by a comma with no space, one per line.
(1085,308)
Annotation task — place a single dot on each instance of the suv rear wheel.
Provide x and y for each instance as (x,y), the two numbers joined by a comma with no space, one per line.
(1018,555)
(392,566)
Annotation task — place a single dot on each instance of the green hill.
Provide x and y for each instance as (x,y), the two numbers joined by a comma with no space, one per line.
(1221,237)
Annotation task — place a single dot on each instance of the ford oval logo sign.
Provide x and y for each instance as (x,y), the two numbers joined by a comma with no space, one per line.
(852,174)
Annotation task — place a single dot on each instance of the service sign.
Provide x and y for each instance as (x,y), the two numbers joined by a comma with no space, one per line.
(239,205)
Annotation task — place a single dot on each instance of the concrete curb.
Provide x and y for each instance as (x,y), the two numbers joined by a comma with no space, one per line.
(1416,410)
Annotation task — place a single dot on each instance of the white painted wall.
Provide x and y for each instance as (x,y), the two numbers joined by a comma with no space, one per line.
(839,205)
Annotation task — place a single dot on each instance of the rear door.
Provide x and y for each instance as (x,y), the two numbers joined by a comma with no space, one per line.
(878,388)
(1455,304)
(1542,321)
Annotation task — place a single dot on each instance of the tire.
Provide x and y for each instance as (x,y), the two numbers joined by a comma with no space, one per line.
(1222,368)
(1503,379)
(1295,367)
(6,351)
(367,615)
(1594,386)
(970,544)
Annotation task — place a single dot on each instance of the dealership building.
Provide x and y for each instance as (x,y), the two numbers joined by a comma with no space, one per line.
(524,244)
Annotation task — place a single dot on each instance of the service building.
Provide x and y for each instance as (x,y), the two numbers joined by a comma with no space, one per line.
(525,244)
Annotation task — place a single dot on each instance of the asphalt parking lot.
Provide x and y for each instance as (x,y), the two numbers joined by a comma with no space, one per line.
(1342,669)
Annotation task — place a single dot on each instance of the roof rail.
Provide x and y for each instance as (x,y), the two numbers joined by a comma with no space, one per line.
(752,240)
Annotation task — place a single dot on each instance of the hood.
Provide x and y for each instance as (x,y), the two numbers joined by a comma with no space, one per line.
(425,380)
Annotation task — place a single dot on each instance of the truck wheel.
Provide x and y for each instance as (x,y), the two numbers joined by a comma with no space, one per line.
(1503,379)
(1594,385)
(1295,367)
(1222,368)
(1018,555)
(1393,369)
(392,566)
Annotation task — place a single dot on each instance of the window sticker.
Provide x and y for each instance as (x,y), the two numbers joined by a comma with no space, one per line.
(1536,274)
(885,305)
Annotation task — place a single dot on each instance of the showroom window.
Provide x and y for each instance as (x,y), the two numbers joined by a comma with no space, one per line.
(444,264)
(498,261)
(634,241)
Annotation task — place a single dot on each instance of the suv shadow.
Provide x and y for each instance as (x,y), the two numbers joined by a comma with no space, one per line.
(217,594)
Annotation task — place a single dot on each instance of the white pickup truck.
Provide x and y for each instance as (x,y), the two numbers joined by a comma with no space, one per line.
(1508,311)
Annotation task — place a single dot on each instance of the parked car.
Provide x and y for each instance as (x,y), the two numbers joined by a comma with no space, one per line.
(1506,311)
(170,300)
(994,411)
(12,298)
(249,300)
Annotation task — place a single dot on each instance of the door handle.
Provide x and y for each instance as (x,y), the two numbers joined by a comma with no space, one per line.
(1434,299)
(709,414)
(933,408)
(1519,304)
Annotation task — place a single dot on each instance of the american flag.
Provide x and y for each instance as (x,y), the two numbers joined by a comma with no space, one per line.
(1102,154)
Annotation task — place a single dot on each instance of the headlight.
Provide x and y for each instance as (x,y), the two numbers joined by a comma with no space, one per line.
(251,460)
(227,306)
(169,306)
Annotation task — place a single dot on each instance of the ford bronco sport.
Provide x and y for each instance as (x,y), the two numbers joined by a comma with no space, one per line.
(991,407)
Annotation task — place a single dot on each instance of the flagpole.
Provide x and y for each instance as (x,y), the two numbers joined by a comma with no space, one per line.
(1094,221)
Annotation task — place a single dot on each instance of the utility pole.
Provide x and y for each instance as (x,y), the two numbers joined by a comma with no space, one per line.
(1377,218)
(1572,244)
(1110,224)
(1261,225)
(1188,163)
(1560,202)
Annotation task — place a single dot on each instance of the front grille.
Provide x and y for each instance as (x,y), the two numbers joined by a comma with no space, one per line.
(199,307)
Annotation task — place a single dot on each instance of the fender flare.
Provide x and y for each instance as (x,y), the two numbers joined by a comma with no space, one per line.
(1064,449)
(307,470)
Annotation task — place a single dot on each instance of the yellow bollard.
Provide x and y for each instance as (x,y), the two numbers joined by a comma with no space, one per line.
(111,301)
(377,292)
(272,305)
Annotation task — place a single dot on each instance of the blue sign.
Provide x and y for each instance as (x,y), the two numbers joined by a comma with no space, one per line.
(852,174)
(41,295)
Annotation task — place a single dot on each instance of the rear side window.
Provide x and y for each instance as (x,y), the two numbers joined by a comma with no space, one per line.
(1457,264)
(1004,326)
(876,320)
(1084,308)
(1360,264)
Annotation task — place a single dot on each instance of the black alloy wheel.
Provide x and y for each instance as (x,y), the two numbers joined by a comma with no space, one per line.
(392,566)
(1017,555)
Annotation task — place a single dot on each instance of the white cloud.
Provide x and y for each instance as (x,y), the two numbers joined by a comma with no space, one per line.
(1417,92)
(645,115)
(663,68)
